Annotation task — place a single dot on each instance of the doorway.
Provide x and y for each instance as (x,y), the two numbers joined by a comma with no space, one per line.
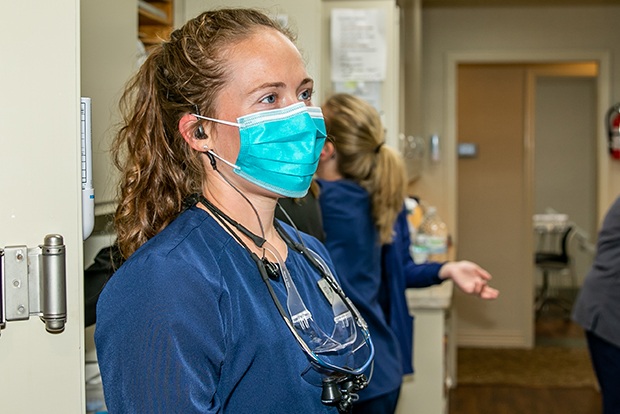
(565,164)
(520,118)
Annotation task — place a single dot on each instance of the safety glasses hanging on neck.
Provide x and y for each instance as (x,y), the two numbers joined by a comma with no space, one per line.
(330,353)
(337,362)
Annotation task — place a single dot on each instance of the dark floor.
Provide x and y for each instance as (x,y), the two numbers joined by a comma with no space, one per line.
(479,399)
(553,328)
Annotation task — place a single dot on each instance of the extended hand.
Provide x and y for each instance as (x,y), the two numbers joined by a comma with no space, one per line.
(470,278)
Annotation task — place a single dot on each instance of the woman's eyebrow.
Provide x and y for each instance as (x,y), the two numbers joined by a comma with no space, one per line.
(268,85)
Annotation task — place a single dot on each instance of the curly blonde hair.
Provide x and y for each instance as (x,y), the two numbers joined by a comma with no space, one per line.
(354,126)
(185,74)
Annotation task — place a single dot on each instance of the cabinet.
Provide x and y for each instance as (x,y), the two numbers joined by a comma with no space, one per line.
(434,351)
(155,21)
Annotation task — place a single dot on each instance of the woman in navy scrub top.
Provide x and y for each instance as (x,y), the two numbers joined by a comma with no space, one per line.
(218,124)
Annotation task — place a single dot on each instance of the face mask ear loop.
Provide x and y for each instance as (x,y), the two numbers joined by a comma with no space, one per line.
(219,121)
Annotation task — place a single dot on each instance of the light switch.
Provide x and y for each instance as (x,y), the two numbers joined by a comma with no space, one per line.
(467,150)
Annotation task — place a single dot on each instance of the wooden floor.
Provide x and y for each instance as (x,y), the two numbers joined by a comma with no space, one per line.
(482,399)
(478,399)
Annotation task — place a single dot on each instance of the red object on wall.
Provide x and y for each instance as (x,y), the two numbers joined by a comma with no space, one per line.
(613,130)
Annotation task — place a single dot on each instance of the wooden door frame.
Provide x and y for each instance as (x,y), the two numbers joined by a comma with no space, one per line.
(453,60)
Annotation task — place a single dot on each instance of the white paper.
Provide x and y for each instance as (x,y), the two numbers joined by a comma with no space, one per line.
(358,45)
(369,91)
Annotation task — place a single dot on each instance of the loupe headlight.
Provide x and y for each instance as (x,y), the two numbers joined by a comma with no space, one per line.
(348,351)
(354,362)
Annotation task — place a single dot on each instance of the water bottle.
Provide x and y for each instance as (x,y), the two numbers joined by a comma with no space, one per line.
(431,239)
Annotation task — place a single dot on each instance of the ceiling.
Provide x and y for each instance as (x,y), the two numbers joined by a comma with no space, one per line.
(516,3)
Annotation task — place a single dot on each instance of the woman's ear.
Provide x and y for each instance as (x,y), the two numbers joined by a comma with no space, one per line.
(328,164)
(193,132)
(328,152)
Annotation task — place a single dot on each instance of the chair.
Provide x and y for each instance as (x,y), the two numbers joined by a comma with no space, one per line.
(553,257)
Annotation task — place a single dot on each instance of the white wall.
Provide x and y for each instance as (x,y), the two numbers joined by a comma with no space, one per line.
(109,56)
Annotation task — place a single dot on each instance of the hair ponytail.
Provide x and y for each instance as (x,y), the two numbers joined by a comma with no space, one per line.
(358,135)
(387,187)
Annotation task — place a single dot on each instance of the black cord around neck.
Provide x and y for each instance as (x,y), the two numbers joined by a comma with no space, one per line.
(265,267)
(211,155)
(271,268)
(258,240)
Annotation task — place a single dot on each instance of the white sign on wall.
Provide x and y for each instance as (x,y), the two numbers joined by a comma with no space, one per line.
(358,45)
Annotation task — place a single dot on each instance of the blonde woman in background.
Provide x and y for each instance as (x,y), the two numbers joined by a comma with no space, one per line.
(363,188)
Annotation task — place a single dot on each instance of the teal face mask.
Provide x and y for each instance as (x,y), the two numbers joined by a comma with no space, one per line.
(279,148)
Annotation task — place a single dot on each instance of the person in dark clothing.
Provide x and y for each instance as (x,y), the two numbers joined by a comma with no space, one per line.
(597,310)
(304,212)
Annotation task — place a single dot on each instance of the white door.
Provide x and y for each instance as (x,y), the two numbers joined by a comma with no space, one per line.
(40,194)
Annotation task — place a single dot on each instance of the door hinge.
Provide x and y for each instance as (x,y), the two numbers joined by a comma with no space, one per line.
(33,283)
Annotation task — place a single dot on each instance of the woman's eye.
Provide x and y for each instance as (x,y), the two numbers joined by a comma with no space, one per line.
(305,95)
(270,99)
